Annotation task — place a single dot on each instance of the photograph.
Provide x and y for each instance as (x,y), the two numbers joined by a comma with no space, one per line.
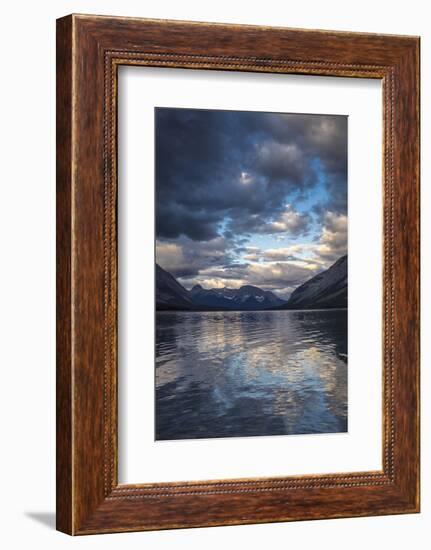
(251,273)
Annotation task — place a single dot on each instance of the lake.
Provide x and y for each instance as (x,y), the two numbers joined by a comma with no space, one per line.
(250,373)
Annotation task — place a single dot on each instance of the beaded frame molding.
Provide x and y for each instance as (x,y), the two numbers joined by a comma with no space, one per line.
(89,51)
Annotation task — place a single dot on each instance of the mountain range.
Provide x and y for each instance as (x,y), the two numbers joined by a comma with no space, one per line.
(325,290)
(246,297)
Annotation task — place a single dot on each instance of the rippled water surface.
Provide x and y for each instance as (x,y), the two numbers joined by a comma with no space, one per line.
(238,373)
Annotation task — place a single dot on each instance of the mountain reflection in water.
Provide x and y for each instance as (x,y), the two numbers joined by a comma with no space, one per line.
(250,373)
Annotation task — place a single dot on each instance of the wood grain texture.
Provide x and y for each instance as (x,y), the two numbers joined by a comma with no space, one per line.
(64,495)
(90,49)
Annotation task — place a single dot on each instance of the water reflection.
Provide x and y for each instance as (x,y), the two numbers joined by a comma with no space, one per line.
(237,373)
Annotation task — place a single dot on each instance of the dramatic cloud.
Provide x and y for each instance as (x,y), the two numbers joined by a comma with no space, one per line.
(185,257)
(281,162)
(333,241)
(289,222)
(237,167)
(249,198)
(330,245)
(280,277)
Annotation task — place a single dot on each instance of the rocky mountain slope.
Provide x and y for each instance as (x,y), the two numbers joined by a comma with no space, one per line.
(169,293)
(326,290)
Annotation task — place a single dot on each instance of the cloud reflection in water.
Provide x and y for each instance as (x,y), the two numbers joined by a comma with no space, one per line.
(237,373)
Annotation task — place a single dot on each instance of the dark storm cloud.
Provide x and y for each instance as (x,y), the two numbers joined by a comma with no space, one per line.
(174,219)
(305,146)
(234,172)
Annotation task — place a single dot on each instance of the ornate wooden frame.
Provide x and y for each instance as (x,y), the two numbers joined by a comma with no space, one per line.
(89,51)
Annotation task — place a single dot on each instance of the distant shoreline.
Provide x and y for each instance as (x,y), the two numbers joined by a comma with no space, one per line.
(327,290)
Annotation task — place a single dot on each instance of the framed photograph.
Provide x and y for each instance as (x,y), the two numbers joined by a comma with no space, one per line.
(237,274)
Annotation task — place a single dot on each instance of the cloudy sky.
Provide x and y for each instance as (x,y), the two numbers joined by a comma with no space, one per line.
(249,197)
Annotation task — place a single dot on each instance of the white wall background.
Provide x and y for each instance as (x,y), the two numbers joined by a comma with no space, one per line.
(27,240)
